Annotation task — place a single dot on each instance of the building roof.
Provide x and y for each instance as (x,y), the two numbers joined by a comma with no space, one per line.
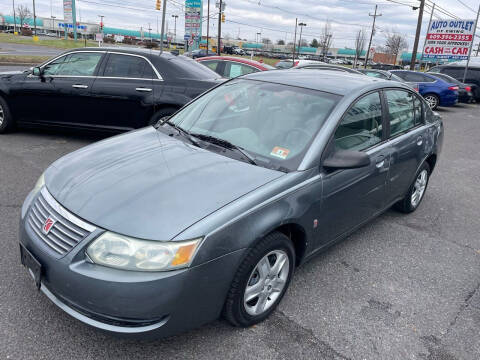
(9,20)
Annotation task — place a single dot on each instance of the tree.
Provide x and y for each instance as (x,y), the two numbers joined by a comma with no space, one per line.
(394,43)
(23,13)
(359,45)
(303,43)
(314,43)
(280,42)
(266,41)
(326,39)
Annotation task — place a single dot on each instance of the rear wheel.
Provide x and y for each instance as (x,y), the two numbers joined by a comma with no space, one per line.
(6,120)
(416,192)
(432,101)
(261,281)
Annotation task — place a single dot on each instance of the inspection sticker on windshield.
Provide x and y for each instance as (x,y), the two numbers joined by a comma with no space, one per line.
(280,152)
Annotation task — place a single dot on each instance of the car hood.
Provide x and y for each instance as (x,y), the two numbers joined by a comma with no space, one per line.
(148,185)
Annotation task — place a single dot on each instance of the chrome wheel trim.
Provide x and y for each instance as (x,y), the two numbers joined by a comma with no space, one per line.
(2,115)
(266,282)
(431,101)
(419,188)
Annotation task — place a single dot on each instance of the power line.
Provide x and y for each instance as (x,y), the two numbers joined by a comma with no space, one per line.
(467,6)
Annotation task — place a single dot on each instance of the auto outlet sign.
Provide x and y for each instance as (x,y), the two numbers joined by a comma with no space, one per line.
(449,39)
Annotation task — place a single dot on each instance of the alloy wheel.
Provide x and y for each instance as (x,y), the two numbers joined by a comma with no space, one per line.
(432,101)
(266,282)
(419,188)
(2,115)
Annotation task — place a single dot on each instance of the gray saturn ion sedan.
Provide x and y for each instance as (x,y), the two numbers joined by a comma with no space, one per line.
(207,213)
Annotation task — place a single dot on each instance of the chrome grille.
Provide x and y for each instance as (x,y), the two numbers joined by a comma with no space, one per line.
(67,230)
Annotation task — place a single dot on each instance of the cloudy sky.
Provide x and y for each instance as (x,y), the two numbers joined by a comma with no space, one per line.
(274,19)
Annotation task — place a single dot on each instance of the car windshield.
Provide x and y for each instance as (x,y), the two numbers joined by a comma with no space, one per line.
(273,123)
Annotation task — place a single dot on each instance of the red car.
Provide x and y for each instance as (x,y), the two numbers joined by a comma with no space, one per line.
(231,66)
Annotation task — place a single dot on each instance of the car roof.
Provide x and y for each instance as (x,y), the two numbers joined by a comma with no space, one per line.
(255,63)
(335,82)
(127,50)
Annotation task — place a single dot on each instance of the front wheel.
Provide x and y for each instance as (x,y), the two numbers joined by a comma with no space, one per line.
(261,281)
(432,101)
(416,192)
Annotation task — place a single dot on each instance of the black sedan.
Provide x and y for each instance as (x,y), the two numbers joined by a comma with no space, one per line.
(102,88)
(465,91)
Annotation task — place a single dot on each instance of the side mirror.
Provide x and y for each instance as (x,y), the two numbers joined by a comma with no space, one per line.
(37,71)
(346,159)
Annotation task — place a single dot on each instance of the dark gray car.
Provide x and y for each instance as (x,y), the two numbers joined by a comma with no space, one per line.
(167,228)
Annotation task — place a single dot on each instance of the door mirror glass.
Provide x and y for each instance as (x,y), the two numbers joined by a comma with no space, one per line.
(37,71)
(346,159)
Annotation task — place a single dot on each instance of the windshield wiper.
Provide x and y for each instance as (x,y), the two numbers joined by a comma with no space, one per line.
(180,131)
(226,144)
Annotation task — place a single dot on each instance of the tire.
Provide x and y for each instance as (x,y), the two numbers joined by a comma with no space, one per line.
(419,186)
(6,119)
(432,100)
(266,291)
(162,113)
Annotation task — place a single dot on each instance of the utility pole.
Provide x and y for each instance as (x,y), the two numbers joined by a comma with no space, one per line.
(164,10)
(302,24)
(295,38)
(175,28)
(208,26)
(14,19)
(219,27)
(428,29)
(34,19)
(375,15)
(417,35)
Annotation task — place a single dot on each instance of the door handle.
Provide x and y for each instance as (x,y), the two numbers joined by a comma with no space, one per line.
(79,86)
(380,162)
(143,89)
(419,141)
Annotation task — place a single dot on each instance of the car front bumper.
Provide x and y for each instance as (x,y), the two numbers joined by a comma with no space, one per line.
(140,304)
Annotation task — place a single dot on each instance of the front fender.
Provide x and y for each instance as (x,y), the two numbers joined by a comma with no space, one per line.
(292,199)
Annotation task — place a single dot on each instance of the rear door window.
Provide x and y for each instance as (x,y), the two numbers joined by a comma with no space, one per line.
(212,64)
(232,70)
(127,66)
(361,127)
(402,110)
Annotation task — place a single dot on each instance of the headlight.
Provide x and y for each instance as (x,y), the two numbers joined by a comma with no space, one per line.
(123,252)
(39,184)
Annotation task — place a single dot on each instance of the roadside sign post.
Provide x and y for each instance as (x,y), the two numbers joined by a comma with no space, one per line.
(471,44)
(429,24)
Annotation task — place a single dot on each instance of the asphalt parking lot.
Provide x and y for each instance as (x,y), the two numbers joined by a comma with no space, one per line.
(402,287)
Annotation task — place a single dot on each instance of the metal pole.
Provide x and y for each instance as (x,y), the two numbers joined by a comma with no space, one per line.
(300,39)
(413,60)
(14,19)
(219,28)
(34,19)
(428,29)
(295,39)
(74,20)
(371,35)
(175,28)
(208,26)
(470,50)
(478,49)
(164,10)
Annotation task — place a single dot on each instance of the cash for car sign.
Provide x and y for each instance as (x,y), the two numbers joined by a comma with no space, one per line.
(449,39)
